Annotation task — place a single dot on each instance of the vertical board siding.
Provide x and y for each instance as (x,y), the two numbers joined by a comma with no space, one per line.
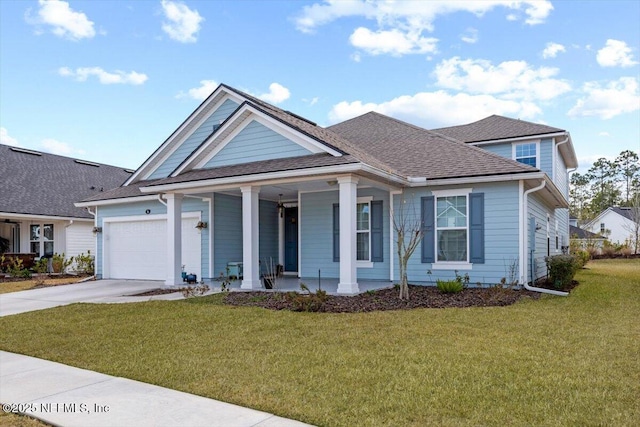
(254,143)
(501,222)
(194,140)
(227,231)
(316,213)
(269,235)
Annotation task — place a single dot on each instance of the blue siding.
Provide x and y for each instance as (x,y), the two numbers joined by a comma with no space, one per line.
(539,210)
(269,237)
(546,156)
(503,150)
(194,140)
(156,208)
(560,176)
(227,234)
(254,143)
(501,236)
(316,219)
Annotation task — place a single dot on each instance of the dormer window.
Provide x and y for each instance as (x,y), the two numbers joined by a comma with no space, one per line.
(526,153)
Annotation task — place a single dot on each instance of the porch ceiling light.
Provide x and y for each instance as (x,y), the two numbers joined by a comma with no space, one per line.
(201,224)
(280,206)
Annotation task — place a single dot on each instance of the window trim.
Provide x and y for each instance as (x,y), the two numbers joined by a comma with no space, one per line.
(450,265)
(365,263)
(517,144)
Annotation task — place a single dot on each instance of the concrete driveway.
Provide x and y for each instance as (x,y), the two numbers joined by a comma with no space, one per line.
(99,291)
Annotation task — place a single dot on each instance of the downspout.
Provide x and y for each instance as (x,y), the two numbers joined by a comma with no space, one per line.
(525,238)
(95,224)
(161,200)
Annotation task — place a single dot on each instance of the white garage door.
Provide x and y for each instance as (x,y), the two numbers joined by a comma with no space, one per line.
(138,249)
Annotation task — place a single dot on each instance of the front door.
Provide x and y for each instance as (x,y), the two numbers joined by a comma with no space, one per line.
(291,239)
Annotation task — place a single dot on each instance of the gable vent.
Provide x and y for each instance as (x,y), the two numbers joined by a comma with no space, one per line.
(24,150)
(84,162)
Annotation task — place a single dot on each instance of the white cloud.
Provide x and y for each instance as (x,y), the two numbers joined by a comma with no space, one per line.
(436,109)
(552,50)
(200,93)
(604,134)
(56,147)
(64,21)
(6,139)
(277,94)
(510,79)
(402,23)
(313,101)
(116,77)
(393,42)
(356,57)
(616,53)
(605,102)
(470,36)
(182,23)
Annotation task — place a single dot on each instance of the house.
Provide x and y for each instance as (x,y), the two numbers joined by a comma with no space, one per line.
(616,224)
(37,195)
(241,181)
(585,239)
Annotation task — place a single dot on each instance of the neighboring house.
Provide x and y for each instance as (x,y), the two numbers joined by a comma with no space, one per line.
(585,239)
(243,181)
(37,195)
(614,223)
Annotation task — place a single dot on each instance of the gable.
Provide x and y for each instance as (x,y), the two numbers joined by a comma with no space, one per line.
(256,142)
(206,128)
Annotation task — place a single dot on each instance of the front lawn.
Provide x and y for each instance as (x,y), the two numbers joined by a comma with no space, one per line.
(551,361)
(16,285)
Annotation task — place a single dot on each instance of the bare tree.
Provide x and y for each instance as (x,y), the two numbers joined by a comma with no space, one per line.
(407,225)
(634,227)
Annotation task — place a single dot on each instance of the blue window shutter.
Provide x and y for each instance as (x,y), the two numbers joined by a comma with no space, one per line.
(428,239)
(376,231)
(336,232)
(476,228)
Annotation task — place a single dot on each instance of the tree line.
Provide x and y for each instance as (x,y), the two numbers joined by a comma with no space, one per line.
(607,183)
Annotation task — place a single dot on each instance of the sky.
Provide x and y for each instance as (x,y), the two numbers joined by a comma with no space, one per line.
(109,81)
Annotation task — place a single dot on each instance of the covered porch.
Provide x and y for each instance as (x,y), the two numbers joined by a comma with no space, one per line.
(307,225)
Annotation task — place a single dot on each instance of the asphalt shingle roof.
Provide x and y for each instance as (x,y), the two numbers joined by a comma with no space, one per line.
(625,212)
(579,233)
(47,184)
(416,152)
(495,128)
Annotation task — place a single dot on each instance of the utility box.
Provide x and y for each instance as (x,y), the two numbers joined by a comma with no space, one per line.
(235,270)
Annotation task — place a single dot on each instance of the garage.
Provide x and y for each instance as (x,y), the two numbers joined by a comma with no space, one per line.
(137,249)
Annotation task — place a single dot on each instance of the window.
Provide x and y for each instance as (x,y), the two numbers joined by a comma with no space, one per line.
(526,153)
(602,228)
(363,230)
(451,228)
(41,239)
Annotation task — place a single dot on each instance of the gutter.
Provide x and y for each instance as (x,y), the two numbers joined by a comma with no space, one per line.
(525,238)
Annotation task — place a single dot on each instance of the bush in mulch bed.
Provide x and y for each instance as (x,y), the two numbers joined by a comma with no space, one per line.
(387,299)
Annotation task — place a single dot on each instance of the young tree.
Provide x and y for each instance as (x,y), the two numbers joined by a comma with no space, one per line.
(580,196)
(407,225)
(605,193)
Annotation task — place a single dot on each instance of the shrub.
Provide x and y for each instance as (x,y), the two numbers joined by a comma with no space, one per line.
(625,250)
(561,269)
(309,301)
(449,286)
(582,258)
(194,291)
(16,268)
(84,264)
(59,263)
(608,249)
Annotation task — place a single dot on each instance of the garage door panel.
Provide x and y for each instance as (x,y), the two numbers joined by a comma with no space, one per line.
(138,249)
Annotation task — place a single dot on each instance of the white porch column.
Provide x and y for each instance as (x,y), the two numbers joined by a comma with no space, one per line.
(174,239)
(348,202)
(250,239)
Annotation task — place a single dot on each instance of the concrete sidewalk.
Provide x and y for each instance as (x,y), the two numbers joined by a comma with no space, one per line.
(66,396)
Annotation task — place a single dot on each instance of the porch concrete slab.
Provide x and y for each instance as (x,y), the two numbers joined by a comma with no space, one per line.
(54,296)
(91,398)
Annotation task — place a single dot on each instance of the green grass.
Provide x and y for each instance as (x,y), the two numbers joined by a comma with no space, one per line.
(554,361)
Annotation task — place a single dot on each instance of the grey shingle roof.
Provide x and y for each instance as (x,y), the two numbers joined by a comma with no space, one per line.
(416,152)
(47,184)
(494,128)
(625,212)
(579,233)
(131,190)
(263,166)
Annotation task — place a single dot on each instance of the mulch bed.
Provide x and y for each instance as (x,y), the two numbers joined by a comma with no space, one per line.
(387,299)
